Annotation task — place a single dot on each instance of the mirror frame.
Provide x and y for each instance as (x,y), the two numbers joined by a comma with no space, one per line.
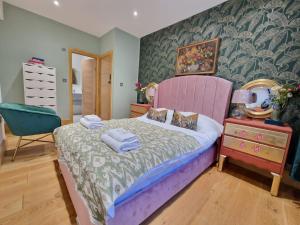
(259,83)
(150,85)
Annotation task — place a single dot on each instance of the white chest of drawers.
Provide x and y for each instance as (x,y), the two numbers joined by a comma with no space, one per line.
(39,85)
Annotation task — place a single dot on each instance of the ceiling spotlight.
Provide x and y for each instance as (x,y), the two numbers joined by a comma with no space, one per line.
(56,3)
(135,13)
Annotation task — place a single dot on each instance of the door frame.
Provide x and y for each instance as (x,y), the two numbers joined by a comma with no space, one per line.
(98,80)
(91,55)
(111,54)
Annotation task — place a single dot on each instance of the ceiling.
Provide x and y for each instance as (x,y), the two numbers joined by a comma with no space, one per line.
(99,16)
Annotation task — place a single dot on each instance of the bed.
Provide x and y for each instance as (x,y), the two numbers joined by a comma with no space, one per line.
(206,95)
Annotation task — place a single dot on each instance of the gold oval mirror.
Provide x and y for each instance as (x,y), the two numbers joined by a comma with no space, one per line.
(261,90)
(150,91)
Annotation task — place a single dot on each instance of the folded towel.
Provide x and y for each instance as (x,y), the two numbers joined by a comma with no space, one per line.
(120,146)
(93,118)
(91,125)
(122,135)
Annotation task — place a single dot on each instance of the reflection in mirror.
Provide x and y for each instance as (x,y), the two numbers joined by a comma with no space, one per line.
(260,99)
(260,106)
(83,86)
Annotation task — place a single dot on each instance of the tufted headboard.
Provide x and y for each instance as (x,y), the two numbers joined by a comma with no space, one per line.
(207,95)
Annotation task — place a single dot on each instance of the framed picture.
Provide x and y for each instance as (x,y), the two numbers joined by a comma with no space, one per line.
(198,58)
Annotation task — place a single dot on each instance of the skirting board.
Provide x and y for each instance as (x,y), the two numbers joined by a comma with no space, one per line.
(1,10)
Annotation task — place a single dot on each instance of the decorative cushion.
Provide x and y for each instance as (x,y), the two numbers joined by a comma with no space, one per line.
(185,120)
(159,115)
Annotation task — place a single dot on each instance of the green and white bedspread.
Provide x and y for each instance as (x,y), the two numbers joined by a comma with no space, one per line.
(101,174)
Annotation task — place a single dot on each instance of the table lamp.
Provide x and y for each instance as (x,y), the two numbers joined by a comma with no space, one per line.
(150,92)
(240,97)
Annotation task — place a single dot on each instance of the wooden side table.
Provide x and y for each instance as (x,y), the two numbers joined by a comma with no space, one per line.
(254,142)
(138,109)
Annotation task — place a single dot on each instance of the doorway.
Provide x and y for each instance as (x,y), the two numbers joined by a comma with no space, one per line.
(90,84)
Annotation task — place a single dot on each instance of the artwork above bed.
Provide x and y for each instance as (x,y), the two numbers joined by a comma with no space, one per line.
(198,58)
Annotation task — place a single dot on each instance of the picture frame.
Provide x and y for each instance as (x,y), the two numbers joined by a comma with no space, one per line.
(198,58)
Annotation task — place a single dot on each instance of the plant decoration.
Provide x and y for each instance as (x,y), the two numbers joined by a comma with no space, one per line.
(280,96)
(140,92)
(139,88)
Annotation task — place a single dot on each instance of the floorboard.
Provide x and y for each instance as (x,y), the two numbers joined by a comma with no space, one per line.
(33,192)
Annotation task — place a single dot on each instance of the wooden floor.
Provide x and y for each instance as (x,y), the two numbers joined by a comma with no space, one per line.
(32,192)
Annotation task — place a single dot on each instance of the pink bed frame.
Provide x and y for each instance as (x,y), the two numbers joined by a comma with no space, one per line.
(202,94)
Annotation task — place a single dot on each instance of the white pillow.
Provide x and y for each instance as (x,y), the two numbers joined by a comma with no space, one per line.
(205,122)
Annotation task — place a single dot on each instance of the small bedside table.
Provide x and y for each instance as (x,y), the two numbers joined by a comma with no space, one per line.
(254,142)
(138,109)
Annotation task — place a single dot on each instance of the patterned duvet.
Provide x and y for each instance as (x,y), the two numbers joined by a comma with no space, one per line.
(101,174)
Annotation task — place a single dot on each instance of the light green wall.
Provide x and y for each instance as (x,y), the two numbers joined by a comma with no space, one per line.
(126,50)
(23,35)
(126,66)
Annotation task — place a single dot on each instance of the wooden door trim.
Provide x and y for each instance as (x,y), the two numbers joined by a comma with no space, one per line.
(88,54)
(108,53)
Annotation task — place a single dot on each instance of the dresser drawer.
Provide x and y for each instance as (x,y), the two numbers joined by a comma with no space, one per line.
(253,148)
(139,109)
(274,138)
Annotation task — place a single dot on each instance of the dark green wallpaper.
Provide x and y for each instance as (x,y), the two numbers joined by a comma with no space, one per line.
(259,39)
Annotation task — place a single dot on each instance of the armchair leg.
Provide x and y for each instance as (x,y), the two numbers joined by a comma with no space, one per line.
(53,137)
(17,148)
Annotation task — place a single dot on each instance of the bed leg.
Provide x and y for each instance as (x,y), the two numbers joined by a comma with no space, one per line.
(221,162)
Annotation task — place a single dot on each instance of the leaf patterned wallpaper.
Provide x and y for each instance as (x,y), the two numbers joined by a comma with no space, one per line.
(259,39)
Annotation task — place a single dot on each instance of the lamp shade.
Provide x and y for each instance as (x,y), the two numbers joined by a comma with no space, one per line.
(241,97)
(151,92)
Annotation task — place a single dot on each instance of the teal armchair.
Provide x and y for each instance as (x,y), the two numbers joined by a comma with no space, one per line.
(25,120)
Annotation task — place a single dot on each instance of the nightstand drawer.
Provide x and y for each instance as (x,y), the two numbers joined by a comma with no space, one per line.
(253,148)
(274,138)
(133,114)
(139,109)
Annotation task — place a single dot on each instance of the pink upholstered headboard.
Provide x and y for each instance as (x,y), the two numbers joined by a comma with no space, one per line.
(207,95)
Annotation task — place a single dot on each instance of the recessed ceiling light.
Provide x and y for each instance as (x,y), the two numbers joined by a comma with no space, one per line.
(135,13)
(56,3)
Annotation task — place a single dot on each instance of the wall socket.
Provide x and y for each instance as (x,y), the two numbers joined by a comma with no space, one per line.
(121,84)
(64,80)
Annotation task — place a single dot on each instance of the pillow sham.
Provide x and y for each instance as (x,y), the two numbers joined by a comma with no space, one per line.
(185,120)
(159,114)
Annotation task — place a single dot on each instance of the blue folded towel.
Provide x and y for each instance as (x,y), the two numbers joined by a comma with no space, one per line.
(122,135)
(92,118)
(120,146)
(90,125)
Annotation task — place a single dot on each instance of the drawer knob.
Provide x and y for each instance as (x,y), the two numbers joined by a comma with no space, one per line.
(256,148)
(259,137)
(242,144)
(243,133)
